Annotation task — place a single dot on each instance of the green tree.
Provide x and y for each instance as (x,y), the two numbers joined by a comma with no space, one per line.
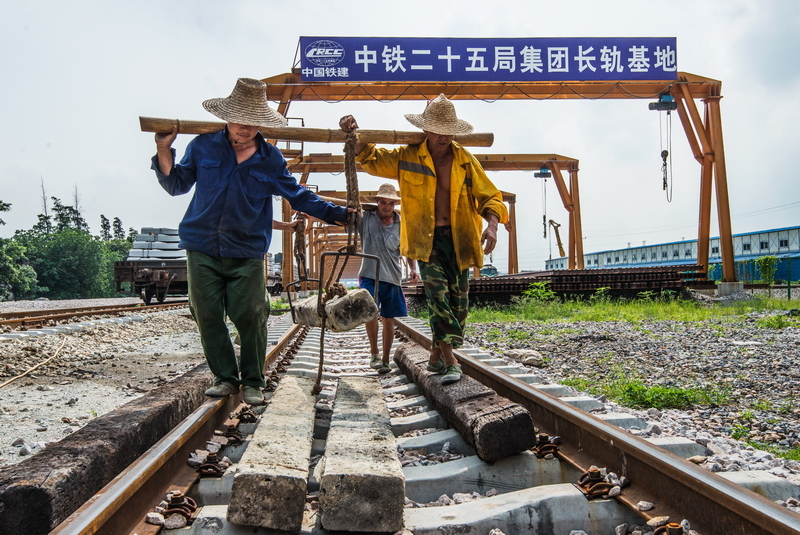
(105,228)
(44,225)
(119,248)
(119,232)
(70,263)
(4,207)
(17,279)
(68,217)
(767,266)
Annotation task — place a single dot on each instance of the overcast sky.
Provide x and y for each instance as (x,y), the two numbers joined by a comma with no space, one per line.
(77,75)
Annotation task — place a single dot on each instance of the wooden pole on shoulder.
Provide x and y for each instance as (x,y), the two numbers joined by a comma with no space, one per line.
(318,135)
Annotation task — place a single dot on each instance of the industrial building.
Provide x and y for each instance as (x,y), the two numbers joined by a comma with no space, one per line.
(783,243)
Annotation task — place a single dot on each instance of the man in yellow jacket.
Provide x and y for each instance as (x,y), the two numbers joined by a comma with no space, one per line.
(445,193)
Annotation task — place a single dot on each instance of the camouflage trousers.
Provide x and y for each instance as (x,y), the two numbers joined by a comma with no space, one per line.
(446,290)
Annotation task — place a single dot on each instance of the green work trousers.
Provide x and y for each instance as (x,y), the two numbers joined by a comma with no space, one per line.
(232,287)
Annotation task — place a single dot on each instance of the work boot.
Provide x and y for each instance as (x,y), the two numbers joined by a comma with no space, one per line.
(252,395)
(375,362)
(222,389)
(452,375)
(436,367)
(384,368)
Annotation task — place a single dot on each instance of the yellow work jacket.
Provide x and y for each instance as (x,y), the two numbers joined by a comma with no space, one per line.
(472,195)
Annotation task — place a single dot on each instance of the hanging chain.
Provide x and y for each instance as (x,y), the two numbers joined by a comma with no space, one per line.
(353,218)
(666,167)
(544,219)
(300,246)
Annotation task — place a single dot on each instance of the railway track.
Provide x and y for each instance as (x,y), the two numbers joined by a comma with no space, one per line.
(25,320)
(522,493)
(621,281)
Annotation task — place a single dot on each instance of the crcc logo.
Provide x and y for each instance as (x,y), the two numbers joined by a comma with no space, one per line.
(325,53)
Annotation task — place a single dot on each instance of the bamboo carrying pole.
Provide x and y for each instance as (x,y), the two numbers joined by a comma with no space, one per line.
(320,135)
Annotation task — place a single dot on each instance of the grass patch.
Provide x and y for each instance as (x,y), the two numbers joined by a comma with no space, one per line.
(741,432)
(539,305)
(791,453)
(776,322)
(632,392)
(762,405)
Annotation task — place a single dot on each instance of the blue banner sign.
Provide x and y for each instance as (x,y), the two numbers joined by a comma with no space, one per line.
(519,59)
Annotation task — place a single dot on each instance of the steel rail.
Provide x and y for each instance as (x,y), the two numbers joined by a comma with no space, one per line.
(24,318)
(114,509)
(678,488)
(120,506)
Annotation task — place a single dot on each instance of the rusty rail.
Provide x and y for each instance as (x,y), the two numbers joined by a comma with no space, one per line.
(41,317)
(121,505)
(679,488)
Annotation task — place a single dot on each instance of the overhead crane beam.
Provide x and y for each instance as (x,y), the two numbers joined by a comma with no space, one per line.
(705,137)
(278,87)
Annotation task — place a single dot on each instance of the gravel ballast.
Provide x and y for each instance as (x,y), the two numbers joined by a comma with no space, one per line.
(758,367)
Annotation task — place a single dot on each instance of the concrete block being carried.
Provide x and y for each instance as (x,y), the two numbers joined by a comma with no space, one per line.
(342,313)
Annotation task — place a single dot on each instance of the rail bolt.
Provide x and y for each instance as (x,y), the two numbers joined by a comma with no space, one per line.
(211,467)
(247,416)
(593,475)
(180,504)
(670,529)
(592,483)
(233,435)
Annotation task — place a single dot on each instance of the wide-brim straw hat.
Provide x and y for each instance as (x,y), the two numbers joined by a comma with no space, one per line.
(247,105)
(386,191)
(440,117)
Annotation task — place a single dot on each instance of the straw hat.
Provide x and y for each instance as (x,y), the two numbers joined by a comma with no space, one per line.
(386,191)
(247,105)
(440,118)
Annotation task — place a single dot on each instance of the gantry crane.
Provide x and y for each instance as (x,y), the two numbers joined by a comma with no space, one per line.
(703,133)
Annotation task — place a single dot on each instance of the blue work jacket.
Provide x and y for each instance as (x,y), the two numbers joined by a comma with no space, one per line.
(230,214)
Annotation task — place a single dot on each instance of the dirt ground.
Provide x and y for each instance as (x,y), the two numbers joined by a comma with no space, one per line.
(93,372)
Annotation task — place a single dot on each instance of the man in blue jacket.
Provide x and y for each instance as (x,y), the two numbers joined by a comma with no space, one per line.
(227,230)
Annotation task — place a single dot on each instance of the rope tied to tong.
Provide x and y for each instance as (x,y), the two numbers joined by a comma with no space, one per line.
(334,288)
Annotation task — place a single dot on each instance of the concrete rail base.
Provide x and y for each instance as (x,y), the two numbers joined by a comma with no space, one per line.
(362,487)
(554,509)
(269,487)
(425,483)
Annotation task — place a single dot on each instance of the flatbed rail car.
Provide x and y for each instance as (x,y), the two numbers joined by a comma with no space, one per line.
(150,278)
(158,278)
